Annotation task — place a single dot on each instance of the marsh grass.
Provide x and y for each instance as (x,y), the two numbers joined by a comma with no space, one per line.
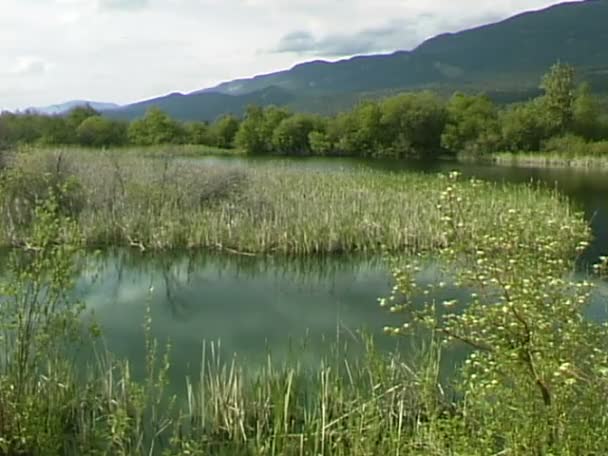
(373,405)
(158,151)
(153,204)
(376,404)
(561,153)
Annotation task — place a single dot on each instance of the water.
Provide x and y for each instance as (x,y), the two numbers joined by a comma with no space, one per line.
(275,305)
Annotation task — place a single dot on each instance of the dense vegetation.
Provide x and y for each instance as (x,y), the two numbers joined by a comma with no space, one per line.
(566,119)
(533,382)
(152,204)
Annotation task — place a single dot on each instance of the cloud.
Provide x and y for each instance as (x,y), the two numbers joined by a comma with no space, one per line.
(29,66)
(396,34)
(128,50)
(122,4)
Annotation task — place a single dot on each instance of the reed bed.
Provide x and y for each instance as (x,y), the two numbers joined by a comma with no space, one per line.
(551,160)
(374,405)
(153,204)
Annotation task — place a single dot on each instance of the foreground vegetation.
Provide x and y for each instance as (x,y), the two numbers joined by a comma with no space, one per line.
(554,159)
(565,120)
(156,204)
(534,380)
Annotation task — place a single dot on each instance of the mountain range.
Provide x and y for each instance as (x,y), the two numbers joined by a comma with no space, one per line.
(64,108)
(505,60)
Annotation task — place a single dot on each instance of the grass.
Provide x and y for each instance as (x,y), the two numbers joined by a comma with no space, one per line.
(378,404)
(550,160)
(172,150)
(153,204)
(561,152)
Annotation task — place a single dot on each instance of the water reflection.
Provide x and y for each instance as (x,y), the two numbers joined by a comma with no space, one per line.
(253,305)
(256,305)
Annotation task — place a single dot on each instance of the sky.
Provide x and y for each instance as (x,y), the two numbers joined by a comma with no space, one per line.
(122,51)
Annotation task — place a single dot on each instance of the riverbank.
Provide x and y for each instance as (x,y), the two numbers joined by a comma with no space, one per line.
(156,151)
(540,160)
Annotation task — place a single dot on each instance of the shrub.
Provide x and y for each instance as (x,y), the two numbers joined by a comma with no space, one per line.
(537,370)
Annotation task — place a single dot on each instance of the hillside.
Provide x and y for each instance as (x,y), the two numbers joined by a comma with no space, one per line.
(205,106)
(505,59)
(63,108)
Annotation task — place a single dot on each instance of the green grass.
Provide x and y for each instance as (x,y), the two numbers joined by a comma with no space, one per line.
(170,150)
(152,204)
(550,160)
(560,152)
(377,404)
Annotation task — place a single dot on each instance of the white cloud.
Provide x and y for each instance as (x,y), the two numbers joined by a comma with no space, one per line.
(123,4)
(28,66)
(127,50)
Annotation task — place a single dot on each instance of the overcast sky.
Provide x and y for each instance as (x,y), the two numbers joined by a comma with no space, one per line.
(122,51)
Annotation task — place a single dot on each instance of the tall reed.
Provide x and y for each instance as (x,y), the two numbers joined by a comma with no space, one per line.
(154,204)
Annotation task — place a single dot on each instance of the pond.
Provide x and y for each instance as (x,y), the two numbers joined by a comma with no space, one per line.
(285,307)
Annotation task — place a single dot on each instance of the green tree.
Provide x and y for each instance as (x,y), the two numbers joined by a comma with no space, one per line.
(292,134)
(525,126)
(199,133)
(55,130)
(79,114)
(536,367)
(98,131)
(559,97)
(273,116)
(257,129)
(320,143)
(586,114)
(156,127)
(361,131)
(224,130)
(413,124)
(472,125)
(249,136)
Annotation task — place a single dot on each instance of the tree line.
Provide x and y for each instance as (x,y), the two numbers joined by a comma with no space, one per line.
(416,124)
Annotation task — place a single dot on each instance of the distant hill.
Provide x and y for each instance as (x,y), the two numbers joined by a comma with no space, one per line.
(63,108)
(205,106)
(505,59)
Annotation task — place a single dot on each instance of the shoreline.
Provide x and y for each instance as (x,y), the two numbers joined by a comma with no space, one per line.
(540,161)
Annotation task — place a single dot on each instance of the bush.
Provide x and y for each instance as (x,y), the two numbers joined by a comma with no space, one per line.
(536,376)
(599,149)
(566,146)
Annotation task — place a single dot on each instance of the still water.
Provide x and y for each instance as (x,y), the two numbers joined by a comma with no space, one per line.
(286,307)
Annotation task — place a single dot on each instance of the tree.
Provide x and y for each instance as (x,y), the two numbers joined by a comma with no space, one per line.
(360,132)
(586,114)
(559,97)
(535,364)
(413,124)
(472,125)
(98,131)
(79,114)
(55,130)
(249,136)
(273,116)
(292,134)
(257,129)
(320,143)
(199,133)
(224,130)
(525,126)
(156,127)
